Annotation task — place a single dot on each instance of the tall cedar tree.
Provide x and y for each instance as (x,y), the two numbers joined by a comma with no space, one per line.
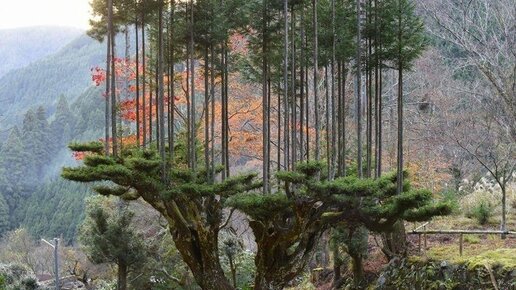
(406,31)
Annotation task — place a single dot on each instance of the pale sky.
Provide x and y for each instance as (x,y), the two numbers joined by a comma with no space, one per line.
(22,13)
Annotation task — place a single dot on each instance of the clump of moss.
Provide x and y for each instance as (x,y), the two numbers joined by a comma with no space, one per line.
(505,258)
(446,253)
(474,257)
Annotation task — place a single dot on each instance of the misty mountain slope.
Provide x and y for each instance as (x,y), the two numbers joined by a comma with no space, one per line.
(22,46)
(73,109)
(48,205)
(41,83)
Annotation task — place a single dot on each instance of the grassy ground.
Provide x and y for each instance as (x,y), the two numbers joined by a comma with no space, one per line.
(485,248)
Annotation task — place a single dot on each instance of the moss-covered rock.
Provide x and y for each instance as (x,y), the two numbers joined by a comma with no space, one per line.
(490,270)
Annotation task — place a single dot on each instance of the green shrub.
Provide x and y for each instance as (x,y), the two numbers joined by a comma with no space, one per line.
(452,198)
(482,212)
(30,283)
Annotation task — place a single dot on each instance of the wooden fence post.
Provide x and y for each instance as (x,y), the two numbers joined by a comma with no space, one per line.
(419,243)
(461,240)
(424,237)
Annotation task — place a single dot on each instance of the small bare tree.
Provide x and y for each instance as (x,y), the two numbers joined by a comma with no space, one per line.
(480,136)
(484,32)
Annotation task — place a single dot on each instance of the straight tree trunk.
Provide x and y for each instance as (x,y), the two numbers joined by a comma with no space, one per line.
(206,115)
(226,111)
(225,125)
(114,103)
(400,130)
(122,276)
(293,97)
(193,150)
(188,110)
(316,98)
(144,97)
(151,96)
(400,106)
(369,99)
(156,101)
(302,93)
(212,128)
(279,128)
(223,119)
(358,269)
(161,97)
(340,123)
(503,186)
(108,86)
(344,75)
(307,106)
(377,113)
(327,119)
(333,112)
(171,97)
(269,102)
(187,93)
(111,32)
(380,120)
(359,94)
(126,81)
(137,58)
(265,104)
(286,137)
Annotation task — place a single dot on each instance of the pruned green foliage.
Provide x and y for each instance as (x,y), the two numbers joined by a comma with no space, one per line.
(260,207)
(310,168)
(237,184)
(110,190)
(142,164)
(425,212)
(94,160)
(293,177)
(94,146)
(182,175)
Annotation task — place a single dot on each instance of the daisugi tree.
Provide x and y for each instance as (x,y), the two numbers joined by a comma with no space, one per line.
(208,82)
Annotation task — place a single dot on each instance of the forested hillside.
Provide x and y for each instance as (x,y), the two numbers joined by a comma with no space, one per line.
(66,73)
(46,105)
(22,46)
(28,183)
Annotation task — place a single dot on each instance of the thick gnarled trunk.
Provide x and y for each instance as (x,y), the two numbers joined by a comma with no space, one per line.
(283,250)
(199,249)
(196,242)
